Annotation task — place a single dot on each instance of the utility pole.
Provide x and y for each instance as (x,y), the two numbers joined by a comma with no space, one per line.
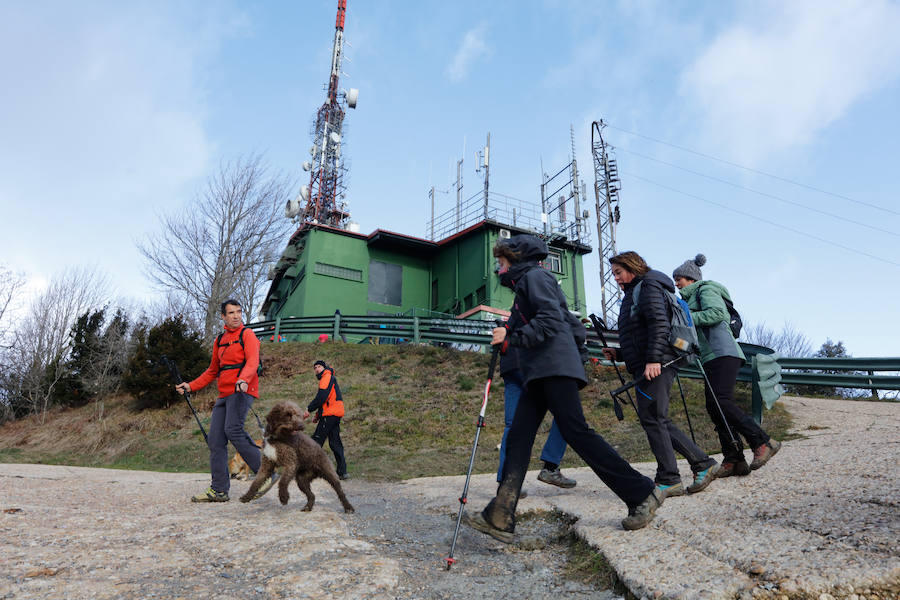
(487,172)
(606,192)
(431,196)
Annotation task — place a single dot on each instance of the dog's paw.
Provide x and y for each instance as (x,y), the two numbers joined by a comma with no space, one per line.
(245,498)
(307,508)
(349,509)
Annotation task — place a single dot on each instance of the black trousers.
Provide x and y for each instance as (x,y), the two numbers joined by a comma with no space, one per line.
(330,428)
(664,436)
(722,374)
(559,395)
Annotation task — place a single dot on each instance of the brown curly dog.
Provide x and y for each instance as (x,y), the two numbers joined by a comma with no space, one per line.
(296,455)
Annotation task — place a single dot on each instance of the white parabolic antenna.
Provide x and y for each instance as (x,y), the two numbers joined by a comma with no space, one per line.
(292,209)
(335,137)
(304,192)
(306,165)
(352,97)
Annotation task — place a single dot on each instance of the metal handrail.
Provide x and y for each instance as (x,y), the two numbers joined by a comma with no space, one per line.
(473,332)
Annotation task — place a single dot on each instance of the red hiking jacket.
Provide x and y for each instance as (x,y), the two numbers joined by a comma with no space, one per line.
(228,351)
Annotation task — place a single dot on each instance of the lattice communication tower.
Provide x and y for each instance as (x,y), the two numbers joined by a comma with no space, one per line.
(606,192)
(322,201)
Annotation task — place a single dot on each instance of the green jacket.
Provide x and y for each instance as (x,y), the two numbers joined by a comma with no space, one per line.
(711,319)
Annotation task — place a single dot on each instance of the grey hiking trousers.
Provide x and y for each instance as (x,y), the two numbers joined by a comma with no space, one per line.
(227,425)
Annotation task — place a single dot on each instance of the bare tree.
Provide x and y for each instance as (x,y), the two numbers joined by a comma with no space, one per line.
(11,283)
(221,245)
(42,342)
(790,341)
(760,334)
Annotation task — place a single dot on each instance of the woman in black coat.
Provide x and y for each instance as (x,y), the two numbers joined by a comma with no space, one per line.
(550,339)
(644,347)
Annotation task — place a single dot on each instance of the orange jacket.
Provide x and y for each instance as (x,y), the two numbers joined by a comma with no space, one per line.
(328,399)
(228,351)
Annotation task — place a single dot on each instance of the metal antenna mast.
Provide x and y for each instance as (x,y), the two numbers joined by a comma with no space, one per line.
(606,192)
(322,201)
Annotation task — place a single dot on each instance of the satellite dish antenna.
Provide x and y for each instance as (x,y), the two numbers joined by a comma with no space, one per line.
(292,209)
(304,193)
(335,137)
(306,165)
(352,97)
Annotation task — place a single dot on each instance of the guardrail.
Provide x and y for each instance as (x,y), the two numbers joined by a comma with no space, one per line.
(856,373)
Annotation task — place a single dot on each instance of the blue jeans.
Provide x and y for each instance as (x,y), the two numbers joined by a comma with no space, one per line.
(227,425)
(554,447)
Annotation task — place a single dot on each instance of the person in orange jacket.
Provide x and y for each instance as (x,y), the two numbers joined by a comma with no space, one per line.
(329,408)
(235,358)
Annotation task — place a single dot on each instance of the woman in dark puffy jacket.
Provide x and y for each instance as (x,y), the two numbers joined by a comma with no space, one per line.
(644,347)
(550,339)
(722,359)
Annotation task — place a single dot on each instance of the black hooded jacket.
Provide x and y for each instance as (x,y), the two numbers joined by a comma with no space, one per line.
(549,337)
(645,337)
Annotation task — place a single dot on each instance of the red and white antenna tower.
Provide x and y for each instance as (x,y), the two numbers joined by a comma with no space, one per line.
(322,200)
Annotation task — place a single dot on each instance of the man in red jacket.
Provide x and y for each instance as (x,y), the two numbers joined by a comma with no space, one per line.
(234,363)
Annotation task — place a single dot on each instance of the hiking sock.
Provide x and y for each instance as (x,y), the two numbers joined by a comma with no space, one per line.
(550,466)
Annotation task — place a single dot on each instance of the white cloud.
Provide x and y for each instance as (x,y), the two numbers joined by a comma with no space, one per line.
(472,48)
(787,70)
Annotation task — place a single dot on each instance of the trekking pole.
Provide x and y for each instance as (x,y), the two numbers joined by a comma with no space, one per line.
(600,326)
(624,389)
(734,442)
(463,499)
(684,402)
(173,370)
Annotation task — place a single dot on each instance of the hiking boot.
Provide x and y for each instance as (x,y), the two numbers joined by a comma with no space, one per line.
(762,454)
(210,495)
(703,479)
(642,514)
(555,478)
(665,491)
(478,522)
(265,487)
(344,477)
(728,468)
(522,493)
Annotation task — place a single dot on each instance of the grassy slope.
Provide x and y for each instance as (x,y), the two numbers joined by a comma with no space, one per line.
(411,412)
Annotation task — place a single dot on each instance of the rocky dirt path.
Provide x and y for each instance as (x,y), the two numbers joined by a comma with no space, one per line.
(68,532)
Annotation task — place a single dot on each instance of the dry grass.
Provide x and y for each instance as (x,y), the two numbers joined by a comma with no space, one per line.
(411,412)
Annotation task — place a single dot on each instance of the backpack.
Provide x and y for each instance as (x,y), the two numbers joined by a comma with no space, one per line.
(734,318)
(259,367)
(682,335)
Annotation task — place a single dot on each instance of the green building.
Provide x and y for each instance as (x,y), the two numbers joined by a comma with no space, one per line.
(324,269)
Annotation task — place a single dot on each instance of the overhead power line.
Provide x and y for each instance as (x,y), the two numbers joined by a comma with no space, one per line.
(757,171)
(761,193)
(752,216)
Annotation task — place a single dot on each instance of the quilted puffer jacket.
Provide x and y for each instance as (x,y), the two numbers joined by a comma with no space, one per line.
(644,337)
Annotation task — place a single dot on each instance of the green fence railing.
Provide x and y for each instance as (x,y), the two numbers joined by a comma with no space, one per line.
(763,371)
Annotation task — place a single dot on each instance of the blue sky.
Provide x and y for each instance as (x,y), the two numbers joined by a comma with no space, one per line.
(115,112)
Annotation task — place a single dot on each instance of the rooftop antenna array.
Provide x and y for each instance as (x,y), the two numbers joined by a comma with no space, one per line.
(322,201)
(606,191)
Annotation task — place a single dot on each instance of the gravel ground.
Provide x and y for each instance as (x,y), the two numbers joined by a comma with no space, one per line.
(820,521)
(71,532)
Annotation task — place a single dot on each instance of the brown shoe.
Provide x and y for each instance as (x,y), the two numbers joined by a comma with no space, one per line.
(762,454)
(642,514)
(477,522)
(739,468)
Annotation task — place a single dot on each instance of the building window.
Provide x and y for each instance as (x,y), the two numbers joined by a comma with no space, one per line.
(434,294)
(336,271)
(385,283)
(553,262)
